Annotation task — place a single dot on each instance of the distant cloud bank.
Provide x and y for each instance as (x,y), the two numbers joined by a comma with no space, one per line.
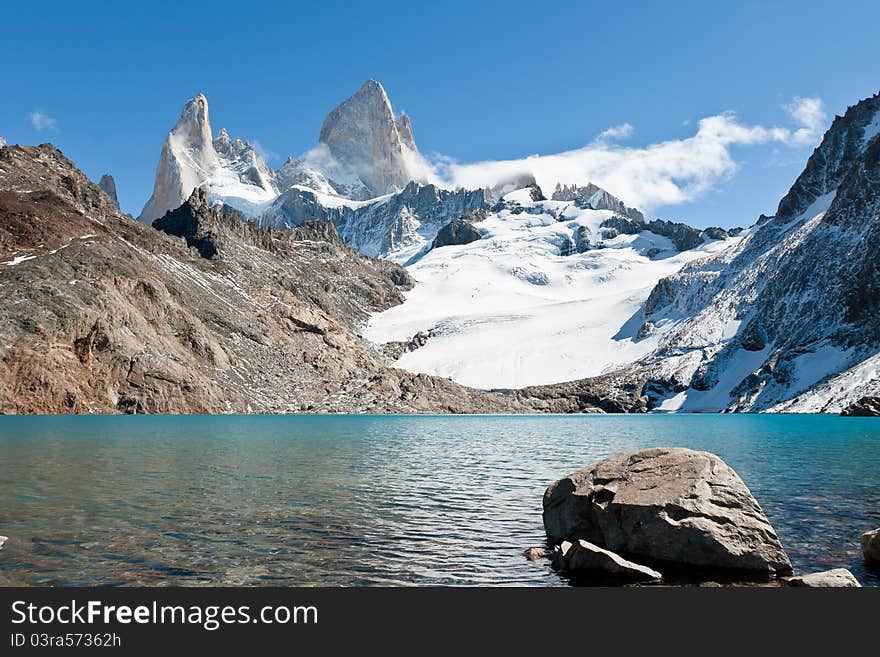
(666,173)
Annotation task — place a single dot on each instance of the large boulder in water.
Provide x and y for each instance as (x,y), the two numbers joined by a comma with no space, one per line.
(870,542)
(666,505)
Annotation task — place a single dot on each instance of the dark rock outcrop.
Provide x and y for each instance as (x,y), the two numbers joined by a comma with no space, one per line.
(666,505)
(109,186)
(683,236)
(457,231)
(582,239)
(195,222)
(864,407)
(716,233)
(623,225)
(535,192)
(394,350)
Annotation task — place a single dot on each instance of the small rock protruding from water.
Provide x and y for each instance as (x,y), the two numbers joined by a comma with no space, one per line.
(838,578)
(583,557)
(670,505)
(870,543)
(3,540)
(535,553)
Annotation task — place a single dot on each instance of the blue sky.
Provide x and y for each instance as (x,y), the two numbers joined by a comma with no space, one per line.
(481,81)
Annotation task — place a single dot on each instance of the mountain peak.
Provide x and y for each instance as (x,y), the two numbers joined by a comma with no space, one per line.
(108,184)
(364,137)
(194,126)
(842,145)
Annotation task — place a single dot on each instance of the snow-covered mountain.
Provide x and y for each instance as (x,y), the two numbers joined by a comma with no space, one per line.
(229,169)
(543,292)
(516,289)
(364,138)
(364,151)
(397,226)
(788,319)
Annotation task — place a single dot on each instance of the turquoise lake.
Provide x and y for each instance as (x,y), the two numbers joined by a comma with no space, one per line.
(380,500)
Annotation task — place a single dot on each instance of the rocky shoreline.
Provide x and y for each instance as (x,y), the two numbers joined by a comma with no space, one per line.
(670,516)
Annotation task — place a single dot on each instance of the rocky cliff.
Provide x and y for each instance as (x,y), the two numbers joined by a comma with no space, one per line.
(787,320)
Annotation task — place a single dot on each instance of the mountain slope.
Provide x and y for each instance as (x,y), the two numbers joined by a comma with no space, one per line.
(795,306)
(106,314)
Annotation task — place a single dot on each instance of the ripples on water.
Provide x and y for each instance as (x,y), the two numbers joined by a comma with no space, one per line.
(380,500)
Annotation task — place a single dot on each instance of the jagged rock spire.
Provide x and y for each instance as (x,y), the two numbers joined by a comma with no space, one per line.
(188,156)
(364,137)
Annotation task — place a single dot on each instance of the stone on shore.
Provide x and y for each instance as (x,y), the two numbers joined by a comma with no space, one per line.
(584,557)
(666,505)
(837,578)
(870,543)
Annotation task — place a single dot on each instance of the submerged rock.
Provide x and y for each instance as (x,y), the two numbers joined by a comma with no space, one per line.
(870,543)
(666,504)
(838,578)
(583,557)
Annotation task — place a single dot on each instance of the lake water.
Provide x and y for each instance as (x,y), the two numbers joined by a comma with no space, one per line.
(380,500)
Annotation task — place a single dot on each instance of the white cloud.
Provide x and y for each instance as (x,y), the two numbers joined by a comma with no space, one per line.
(621,131)
(42,121)
(811,115)
(666,173)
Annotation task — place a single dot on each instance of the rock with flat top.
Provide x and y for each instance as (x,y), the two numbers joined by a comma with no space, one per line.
(583,557)
(838,578)
(666,505)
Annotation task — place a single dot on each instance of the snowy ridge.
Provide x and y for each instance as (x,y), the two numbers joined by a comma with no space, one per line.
(788,320)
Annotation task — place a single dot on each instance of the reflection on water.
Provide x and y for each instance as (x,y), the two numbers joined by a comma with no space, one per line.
(365,500)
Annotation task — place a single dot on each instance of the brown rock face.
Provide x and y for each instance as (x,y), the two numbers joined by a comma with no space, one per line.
(666,505)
